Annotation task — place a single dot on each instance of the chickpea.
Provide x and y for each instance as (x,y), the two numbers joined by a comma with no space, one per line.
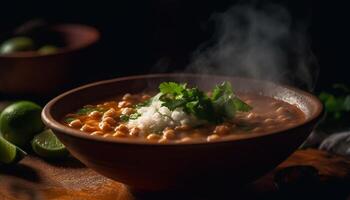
(127,111)
(109,120)
(104,126)
(91,122)
(280,116)
(186,139)
(119,134)
(110,104)
(145,97)
(95,114)
(184,127)
(284,119)
(197,135)
(134,131)
(270,127)
(221,130)
(153,136)
(167,128)
(110,113)
(251,116)
(281,110)
(275,103)
(163,140)
(248,101)
(122,128)
(212,137)
(169,134)
(268,121)
(127,96)
(76,123)
(107,135)
(97,133)
(123,104)
(88,128)
(257,129)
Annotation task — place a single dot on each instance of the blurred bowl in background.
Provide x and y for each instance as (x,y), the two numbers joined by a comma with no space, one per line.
(32,73)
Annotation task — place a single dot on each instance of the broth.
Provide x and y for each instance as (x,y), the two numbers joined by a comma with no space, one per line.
(105,119)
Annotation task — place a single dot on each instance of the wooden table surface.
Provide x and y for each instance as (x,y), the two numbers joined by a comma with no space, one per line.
(36,179)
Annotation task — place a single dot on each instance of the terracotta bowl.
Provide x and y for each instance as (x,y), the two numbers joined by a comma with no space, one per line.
(154,167)
(31,73)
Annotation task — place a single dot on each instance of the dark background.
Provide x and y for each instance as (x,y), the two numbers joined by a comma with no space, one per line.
(136,35)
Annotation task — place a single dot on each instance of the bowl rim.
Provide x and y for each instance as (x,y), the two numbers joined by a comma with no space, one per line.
(50,122)
(63,50)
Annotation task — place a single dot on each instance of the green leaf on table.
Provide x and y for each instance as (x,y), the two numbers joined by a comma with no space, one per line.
(347,103)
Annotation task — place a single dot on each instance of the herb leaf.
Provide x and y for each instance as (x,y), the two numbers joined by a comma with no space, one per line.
(172,88)
(124,118)
(223,103)
(172,104)
(85,111)
(144,104)
(134,116)
(69,119)
(241,106)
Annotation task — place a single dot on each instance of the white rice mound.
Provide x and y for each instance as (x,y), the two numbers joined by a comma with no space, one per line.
(155,118)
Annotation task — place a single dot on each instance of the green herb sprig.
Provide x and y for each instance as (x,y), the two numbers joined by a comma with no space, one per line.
(222,104)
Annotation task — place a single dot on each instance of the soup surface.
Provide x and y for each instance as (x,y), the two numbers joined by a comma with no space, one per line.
(120,118)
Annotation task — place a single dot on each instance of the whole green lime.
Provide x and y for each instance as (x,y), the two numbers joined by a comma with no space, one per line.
(17,44)
(20,121)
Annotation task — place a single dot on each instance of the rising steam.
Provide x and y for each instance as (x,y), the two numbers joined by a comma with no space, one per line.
(259,42)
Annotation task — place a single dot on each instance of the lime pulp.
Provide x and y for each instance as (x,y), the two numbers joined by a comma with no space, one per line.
(47,145)
(9,153)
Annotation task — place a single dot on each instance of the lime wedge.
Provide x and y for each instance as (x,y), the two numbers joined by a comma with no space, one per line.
(9,153)
(47,145)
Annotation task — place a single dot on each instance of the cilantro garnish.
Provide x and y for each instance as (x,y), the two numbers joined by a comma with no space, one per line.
(172,88)
(85,111)
(225,101)
(134,116)
(222,104)
(88,110)
(144,104)
(126,118)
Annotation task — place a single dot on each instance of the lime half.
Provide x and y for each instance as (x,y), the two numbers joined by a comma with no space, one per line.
(47,145)
(9,153)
